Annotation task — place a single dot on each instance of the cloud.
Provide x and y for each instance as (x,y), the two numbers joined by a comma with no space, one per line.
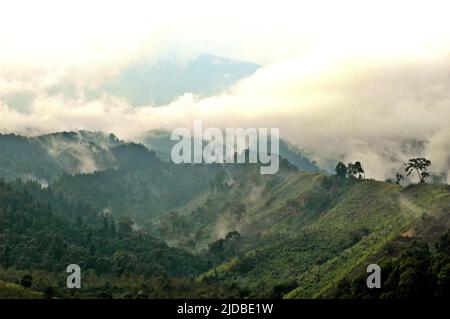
(53,34)
(380,110)
(347,80)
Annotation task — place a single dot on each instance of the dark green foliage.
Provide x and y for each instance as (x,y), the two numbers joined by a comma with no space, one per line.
(47,157)
(341,170)
(420,272)
(26,281)
(225,248)
(326,195)
(33,236)
(142,186)
(52,285)
(355,170)
(234,232)
(122,264)
(25,157)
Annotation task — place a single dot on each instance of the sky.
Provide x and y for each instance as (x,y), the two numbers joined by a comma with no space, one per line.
(348,80)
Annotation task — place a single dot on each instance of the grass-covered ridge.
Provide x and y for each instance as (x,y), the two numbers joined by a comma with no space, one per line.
(311,230)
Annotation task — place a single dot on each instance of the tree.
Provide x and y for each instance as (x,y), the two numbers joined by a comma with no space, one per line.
(398,178)
(341,170)
(125,226)
(420,165)
(26,281)
(355,170)
(49,292)
(123,262)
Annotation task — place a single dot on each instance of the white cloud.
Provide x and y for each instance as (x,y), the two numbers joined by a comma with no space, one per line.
(374,110)
(352,79)
(60,33)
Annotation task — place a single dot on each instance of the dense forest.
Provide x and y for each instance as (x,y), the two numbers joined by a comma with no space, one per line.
(39,239)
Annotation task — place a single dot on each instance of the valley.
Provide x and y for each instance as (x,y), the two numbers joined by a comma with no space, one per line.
(142,227)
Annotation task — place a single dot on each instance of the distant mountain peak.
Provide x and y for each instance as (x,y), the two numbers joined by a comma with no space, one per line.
(161,82)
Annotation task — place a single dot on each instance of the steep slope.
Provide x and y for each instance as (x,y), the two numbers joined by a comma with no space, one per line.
(422,246)
(419,271)
(392,215)
(81,151)
(34,236)
(22,157)
(292,234)
(37,242)
(141,186)
(222,208)
(298,236)
(43,158)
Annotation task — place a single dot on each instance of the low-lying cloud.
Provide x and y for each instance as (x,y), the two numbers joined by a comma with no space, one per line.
(380,110)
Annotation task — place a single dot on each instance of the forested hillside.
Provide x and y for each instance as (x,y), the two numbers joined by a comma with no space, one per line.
(36,238)
(142,227)
(44,158)
(141,186)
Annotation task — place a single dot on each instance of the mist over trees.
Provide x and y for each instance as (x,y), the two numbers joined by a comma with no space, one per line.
(419,165)
(354,170)
(144,228)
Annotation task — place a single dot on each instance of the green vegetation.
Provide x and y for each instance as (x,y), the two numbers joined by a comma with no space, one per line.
(36,237)
(141,186)
(14,291)
(141,227)
(420,272)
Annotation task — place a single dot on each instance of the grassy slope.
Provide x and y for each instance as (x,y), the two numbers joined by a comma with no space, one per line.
(316,247)
(429,218)
(212,214)
(14,291)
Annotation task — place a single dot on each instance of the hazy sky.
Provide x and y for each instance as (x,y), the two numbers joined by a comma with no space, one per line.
(344,79)
(63,33)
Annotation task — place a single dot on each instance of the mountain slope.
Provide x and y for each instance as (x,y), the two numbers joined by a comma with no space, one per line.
(302,235)
(34,236)
(292,234)
(37,242)
(43,158)
(141,186)
(25,158)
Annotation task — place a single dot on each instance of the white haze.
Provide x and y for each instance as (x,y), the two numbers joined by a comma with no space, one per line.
(349,81)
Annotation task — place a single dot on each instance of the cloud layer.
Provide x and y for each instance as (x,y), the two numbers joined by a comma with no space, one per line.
(381,111)
(350,81)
